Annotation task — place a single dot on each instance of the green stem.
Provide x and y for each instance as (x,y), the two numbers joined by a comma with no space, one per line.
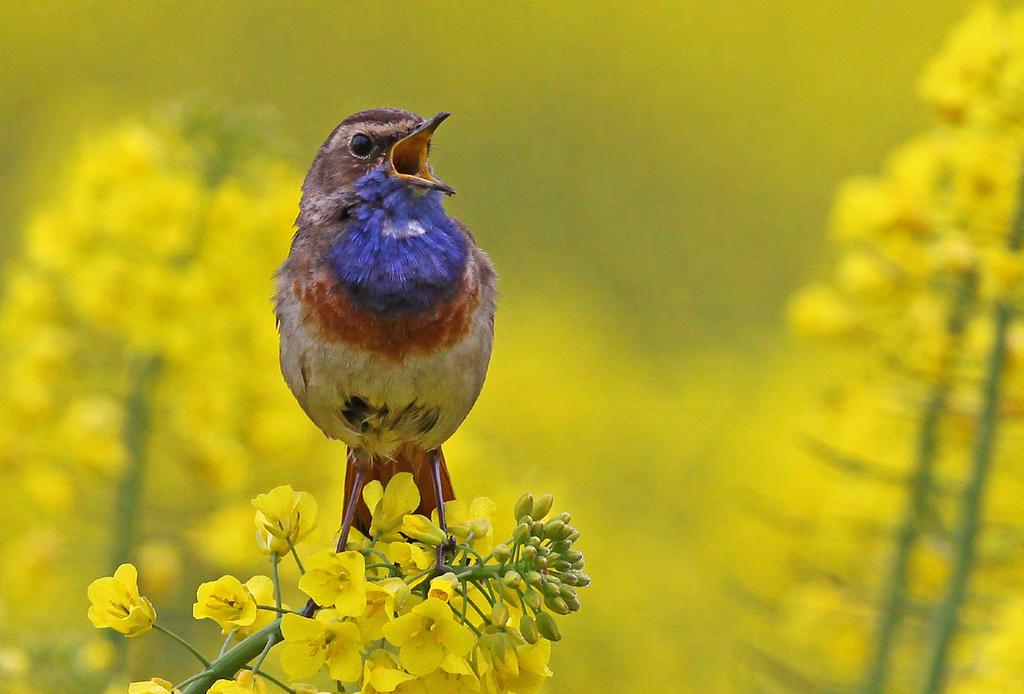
(271,678)
(192,649)
(128,494)
(279,610)
(277,580)
(295,556)
(921,482)
(228,665)
(227,641)
(972,500)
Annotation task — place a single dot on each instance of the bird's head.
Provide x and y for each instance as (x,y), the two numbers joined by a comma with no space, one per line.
(371,154)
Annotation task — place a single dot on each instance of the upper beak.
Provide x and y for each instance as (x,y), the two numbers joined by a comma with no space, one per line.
(409,156)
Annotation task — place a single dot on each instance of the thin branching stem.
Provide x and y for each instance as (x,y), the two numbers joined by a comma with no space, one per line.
(227,665)
(128,495)
(921,483)
(191,649)
(947,615)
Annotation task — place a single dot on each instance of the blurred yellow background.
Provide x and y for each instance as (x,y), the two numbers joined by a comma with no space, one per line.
(652,181)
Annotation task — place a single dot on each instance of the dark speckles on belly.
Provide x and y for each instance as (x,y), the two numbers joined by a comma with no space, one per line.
(364,417)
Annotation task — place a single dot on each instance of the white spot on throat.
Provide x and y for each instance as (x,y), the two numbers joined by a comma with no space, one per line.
(403,229)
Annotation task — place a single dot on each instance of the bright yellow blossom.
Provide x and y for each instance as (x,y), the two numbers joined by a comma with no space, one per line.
(284,517)
(471,523)
(390,506)
(262,590)
(155,685)
(443,587)
(410,556)
(421,528)
(383,600)
(382,673)
(245,683)
(426,634)
(455,676)
(309,644)
(510,667)
(117,605)
(226,601)
(336,580)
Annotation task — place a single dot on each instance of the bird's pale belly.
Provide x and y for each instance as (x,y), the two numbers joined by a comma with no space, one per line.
(376,403)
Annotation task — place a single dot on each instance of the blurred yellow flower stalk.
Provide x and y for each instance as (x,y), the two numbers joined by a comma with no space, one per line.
(925,301)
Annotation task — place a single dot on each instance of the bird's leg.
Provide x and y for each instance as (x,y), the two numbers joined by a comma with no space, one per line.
(435,469)
(359,472)
(360,464)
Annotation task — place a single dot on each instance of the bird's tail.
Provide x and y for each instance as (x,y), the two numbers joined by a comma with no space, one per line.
(409,458)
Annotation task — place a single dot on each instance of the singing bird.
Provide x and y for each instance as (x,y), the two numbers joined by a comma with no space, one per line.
(385,307)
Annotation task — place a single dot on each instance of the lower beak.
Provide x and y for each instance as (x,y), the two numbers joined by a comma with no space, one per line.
(409,157)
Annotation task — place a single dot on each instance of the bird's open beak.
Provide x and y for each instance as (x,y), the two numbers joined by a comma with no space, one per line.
(409,156)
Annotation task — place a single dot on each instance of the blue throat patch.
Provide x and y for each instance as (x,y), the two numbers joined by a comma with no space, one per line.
(402,273)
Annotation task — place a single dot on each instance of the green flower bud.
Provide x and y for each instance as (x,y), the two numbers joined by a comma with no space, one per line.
(533,541)
(499,614)
(565,517)
(528,628)
(571,578)
(502,553)
(534,579)
(522,533)
(542,562)
(573,535)
(553,530)
(573,556)
(560,547)
(573,603)
(529,553)
(523,506)
(566,592)
(533,599)
(561,566)
(547,627)
(550,588)
(537,529)
(556,605)
(512,579)
(542,505)
(584,580)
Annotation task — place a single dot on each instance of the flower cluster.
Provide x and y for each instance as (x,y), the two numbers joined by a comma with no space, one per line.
(924,300)
(382,616)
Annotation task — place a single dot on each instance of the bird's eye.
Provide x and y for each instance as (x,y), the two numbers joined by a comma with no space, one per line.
(360,145)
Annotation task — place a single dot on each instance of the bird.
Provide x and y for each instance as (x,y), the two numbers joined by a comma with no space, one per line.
(385,308)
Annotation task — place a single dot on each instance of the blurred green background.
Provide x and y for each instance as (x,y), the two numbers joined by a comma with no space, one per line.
(651,180)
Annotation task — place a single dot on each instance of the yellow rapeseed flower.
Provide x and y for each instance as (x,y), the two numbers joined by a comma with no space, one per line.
(471,523)
(390,506)
(507,666)
(155,685)
(382,673)
(309,644)
(245,683)
(284,517)
(426,634)
(336,580)
(443,587)
(116,603)
(455,676)
(419,527)
(383,601)
(410,556)
(226,601)
(262,590)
